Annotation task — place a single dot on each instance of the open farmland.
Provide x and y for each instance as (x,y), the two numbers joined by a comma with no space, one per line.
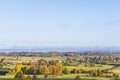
(68,67)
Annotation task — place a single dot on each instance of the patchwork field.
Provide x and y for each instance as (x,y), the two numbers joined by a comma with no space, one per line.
(81,66)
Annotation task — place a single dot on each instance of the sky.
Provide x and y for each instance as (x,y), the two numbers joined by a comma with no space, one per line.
(72,23)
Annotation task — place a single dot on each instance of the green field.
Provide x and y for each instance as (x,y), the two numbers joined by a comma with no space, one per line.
(62,77)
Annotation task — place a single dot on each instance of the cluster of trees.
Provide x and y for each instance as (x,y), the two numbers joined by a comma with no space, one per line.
(73,71)
(21,76)
(97,73)
(100,73)
(41,67)
(70,62)
(104,59)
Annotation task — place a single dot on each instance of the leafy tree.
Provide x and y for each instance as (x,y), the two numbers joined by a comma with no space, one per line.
(18,67)
(59,68)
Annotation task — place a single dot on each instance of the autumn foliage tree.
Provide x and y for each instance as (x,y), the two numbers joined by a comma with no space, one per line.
(44,70)
(18,67)
(43,67)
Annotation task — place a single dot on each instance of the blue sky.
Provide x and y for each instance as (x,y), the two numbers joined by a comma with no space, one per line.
(44,23)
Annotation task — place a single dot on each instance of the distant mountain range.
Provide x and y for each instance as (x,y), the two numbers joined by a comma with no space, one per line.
(60,49)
